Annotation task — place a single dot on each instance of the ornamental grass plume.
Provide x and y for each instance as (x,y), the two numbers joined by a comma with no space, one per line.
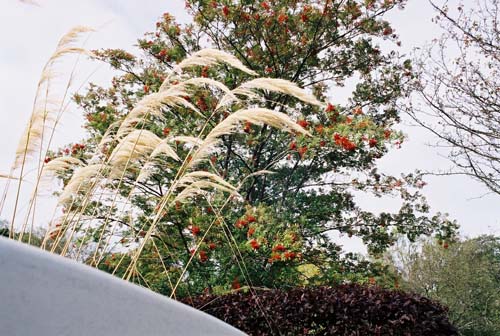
(208,57)
(152,104)
(257,116)
(276,85)
(46,109)
(136,146)
(80,181)
(45,117)
(60,165)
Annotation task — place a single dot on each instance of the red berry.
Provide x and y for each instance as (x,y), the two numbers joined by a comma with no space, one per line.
(240,223)
(254,244)
(274,257)
(247,127)
(236,284)
(250,232)
(303,123)
(387,31)
(250,219)
(204,71)
(350,146)
(203,256)
(279,248)
(282,18)
(195,230)
(330,108)
(302,150)
(202,104)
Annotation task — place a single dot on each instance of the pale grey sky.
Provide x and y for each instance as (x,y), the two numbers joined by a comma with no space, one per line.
(30,34)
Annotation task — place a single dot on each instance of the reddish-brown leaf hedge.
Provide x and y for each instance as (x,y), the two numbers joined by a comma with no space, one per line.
(343,310)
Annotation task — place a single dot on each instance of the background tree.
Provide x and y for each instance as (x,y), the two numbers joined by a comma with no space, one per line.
(459,83)
(464,276)
(285,223)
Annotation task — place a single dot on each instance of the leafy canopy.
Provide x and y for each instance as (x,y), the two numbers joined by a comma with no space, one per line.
(464,276)
(280,234)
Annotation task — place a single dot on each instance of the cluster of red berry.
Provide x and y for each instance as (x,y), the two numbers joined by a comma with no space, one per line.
(202,254)
(344,142)
(201,103)
(97,117)
(195,230)
(301,150)
(254,244)
(243,222)
(73,150)
(280,253)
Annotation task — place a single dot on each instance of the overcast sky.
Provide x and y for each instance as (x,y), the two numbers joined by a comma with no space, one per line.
(29,35)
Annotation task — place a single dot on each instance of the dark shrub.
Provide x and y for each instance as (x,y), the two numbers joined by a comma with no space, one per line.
(343,310)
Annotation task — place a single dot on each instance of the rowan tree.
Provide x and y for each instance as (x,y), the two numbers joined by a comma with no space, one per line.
(280,235)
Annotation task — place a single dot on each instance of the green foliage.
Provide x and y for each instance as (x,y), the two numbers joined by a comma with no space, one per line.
(287,217)
(464,276)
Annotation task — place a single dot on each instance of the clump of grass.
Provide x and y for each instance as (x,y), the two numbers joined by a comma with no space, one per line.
(137,151)
(45,117)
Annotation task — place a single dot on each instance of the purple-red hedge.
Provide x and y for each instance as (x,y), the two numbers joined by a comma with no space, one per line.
(342,310)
